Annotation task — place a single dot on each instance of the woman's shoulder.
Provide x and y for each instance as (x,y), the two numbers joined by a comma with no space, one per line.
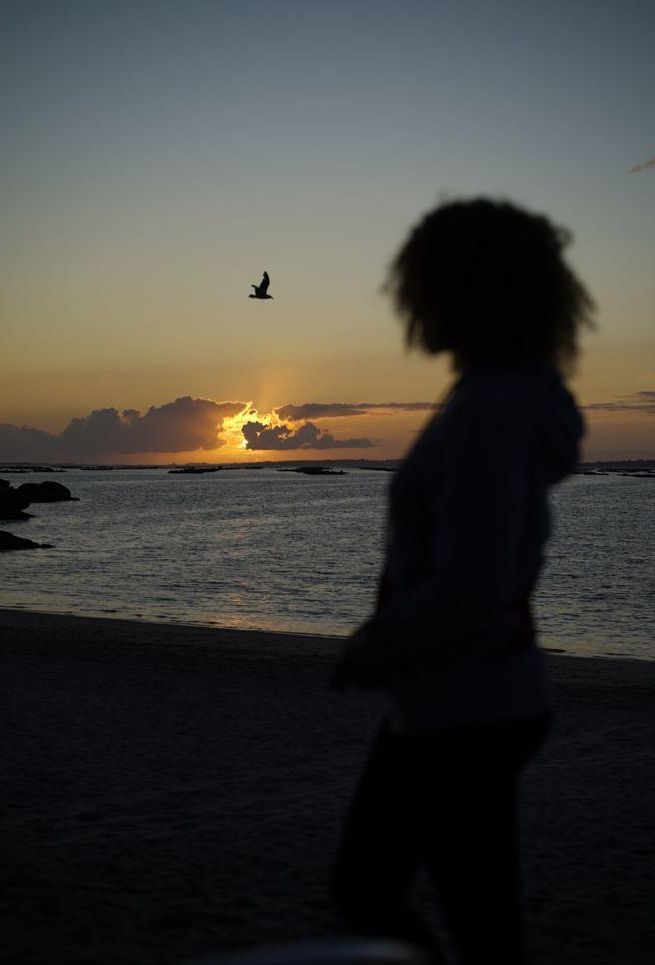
(474,406)
(510,412)
(493,390)
(482,400)
(496,407)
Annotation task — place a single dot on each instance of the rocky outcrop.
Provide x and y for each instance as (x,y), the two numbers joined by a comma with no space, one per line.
(9,542)
(12,503)
(45,492)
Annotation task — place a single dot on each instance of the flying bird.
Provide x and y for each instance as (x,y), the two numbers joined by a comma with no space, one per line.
(261,290)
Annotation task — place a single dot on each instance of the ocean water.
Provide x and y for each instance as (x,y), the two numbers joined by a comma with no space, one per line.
(274,550)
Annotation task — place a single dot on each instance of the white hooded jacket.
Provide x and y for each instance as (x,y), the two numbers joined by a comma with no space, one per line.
(468,520)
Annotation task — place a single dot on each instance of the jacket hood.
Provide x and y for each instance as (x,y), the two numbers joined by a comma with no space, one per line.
(539,397)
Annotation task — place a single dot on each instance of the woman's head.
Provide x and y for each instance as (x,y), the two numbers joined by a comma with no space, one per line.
(487,281)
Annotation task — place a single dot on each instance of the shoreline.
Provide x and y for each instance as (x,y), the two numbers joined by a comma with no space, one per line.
(232,633)
(173,791)
(166,623)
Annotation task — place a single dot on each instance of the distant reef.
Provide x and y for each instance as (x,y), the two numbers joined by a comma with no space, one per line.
(193,470)
(28,468)
(315,471)
(636,468)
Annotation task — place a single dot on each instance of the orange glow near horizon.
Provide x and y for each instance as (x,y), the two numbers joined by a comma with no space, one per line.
(623,430)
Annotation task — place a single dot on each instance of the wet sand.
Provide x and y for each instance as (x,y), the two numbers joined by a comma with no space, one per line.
(171,791)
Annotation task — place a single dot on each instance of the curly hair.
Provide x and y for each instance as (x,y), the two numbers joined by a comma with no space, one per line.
(487,281)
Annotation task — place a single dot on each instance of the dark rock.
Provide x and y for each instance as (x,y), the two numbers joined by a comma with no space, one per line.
(9,542)
(12,502)
(46,492)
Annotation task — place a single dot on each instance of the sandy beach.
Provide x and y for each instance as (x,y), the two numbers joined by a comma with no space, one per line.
(171,791)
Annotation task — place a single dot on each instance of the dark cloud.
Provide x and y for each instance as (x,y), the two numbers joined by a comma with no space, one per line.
(404,406)
(333,410)
(187,425)
(307,436)
(319,410)
(181,426)
(25,444)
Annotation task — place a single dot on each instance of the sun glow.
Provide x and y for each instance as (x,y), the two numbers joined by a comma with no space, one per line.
(231,429)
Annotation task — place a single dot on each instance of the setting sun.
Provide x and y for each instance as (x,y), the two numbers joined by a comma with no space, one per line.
(232,427)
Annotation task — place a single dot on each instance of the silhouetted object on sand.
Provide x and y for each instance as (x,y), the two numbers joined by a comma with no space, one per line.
(9,542)
(261,290)
(12,502)
(46,492)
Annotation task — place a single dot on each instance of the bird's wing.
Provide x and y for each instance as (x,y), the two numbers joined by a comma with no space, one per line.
(265,282)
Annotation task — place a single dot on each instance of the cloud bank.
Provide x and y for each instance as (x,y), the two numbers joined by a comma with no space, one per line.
(200,425)
(191,425)
(181,426)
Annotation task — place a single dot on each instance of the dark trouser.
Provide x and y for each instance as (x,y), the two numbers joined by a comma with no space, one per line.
(448,800)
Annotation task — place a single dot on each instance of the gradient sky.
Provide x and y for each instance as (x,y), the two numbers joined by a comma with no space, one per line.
(158,155)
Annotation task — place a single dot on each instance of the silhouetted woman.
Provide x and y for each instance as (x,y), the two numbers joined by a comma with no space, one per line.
(452,638)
